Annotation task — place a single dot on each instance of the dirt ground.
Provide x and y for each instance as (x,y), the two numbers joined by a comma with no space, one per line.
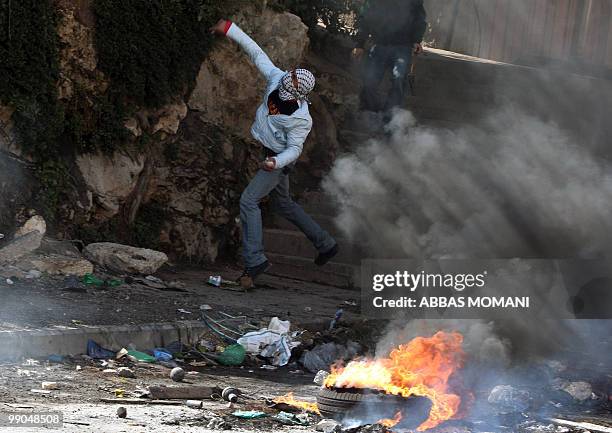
(44,302)
(78,398)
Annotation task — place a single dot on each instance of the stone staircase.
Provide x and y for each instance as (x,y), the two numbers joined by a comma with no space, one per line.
(292,255)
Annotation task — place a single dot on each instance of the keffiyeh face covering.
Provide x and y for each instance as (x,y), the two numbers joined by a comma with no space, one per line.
(305,83)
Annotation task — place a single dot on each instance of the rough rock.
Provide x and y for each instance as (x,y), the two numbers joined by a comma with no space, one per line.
(507,399)
(169,118)
(7,131)
(78,58)
(198,188)
(20,246)
(133,126)
(126,372)
(228,85)
(35,223)
(110,179)
(56,264)
(580,391)
(124,258)
(328,426)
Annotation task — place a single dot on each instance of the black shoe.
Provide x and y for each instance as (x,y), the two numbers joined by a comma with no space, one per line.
(247,279)
(325,257)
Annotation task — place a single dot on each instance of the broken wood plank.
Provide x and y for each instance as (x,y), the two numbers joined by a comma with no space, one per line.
(583,425)
(140,401)
(183,392)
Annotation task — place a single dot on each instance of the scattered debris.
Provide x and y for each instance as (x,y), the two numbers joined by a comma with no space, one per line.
(320,377)
(324,355)
(162,354)
(126,372)
(183,392)
(50,385)
(273,342)
(40,391)
(585,426)
(195,404)
(233,355)
(249,414)
(9,282)
(336,318)
(507,399)
(230,394)
(292,418)
(183,311)
(141,401)
(136,355)
(215,280)
(33,274)
(177,374)
(217,423)
(121,412)
(92,280)
(329,426)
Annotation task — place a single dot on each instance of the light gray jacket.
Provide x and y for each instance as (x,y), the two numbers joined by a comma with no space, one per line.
(280,133)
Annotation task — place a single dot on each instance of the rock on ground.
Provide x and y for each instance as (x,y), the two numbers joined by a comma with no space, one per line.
(20,246)
(507,399)
(124,258)
(56,264)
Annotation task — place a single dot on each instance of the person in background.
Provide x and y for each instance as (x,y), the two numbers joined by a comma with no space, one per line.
(282,123)
(393,30)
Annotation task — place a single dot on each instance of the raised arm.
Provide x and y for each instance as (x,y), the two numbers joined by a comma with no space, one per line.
(250,47)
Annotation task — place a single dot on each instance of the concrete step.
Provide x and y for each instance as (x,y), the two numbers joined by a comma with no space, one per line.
(300,268)
(293,243)
(318,203)
(325,221)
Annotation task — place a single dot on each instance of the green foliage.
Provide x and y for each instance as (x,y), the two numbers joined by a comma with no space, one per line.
(152,49)
(29,70)
(54,178)
(94,123)
(338,16)
(148,225)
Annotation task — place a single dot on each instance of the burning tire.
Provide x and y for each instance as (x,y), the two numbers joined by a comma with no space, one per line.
(370,406)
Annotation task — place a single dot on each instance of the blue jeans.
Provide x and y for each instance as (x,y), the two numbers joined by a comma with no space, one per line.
(275,183)
(380,58)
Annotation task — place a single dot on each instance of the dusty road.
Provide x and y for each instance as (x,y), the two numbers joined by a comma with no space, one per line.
(79,393)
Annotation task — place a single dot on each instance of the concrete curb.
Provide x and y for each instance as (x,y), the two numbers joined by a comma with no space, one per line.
(39,343)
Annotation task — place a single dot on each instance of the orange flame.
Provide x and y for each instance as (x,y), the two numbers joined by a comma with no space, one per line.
(421,368)
(392,421)
(291,401)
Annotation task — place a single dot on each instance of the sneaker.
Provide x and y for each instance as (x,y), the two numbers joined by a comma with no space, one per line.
(247,279)
(325,257)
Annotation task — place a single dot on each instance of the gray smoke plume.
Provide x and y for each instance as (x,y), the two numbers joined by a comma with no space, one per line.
(517,187)
(480,339)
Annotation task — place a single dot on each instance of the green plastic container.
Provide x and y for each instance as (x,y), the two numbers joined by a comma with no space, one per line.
(232,355)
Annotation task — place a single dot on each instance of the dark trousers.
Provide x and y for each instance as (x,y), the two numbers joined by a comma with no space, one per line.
(381,58)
